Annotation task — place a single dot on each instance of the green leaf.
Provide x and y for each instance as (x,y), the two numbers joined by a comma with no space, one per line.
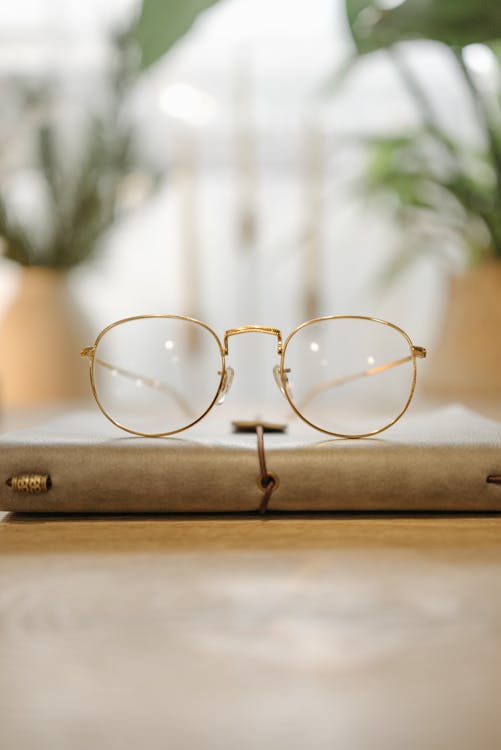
(161,23)
(453,22)
(453,193)
(47,153)
(19,247)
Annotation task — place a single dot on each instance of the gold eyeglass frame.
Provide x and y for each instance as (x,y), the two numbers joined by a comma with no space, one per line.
(416,352)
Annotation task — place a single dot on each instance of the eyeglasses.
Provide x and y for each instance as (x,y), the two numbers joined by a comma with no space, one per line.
(346,375)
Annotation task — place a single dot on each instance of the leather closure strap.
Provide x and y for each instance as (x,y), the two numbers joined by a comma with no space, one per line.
(267,482)
(493,479)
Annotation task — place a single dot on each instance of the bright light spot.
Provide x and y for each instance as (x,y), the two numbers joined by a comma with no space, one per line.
(139,383)
(371,360)
(114,373)
(389,4)
(169,344)
(186,103)
(479,58)
(314,346)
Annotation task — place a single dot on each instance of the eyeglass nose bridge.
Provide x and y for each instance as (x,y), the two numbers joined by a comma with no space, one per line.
(253,329)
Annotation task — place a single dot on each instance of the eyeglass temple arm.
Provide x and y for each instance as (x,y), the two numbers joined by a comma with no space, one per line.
(417,351)
(169,390)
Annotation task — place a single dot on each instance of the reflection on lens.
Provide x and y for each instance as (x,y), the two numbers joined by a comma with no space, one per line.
(157,375)
(349,376)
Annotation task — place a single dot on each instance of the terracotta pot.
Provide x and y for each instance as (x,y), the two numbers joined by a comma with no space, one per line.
(465,361)
(40,338)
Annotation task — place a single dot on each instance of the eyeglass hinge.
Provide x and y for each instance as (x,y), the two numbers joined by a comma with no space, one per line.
(87,351)
(419,351)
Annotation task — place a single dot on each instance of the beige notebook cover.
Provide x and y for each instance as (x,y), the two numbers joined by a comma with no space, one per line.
(435,461)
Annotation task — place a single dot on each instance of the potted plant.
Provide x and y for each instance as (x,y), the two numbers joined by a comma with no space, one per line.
(444,193)
(57,203)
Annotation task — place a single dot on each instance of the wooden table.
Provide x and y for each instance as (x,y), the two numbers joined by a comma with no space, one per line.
(235,633)
(220,633)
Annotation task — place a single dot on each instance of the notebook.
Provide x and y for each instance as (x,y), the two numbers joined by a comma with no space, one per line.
(445,459)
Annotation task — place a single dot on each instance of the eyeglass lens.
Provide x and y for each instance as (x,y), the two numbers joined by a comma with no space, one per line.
(349,376)
(148,377)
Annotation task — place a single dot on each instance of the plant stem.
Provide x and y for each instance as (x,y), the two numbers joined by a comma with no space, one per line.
(483,114)
(425,109)
(490,133)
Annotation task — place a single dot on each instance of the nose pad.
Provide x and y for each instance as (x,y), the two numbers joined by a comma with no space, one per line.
(281,383)
(225,386)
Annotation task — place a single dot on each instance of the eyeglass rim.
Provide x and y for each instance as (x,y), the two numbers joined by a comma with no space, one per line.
(349,317)
(90,351)
(148,317)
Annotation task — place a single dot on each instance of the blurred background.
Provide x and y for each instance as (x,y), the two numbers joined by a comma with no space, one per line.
(248,161)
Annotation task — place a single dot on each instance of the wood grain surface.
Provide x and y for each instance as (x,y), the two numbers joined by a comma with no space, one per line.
(235,633)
